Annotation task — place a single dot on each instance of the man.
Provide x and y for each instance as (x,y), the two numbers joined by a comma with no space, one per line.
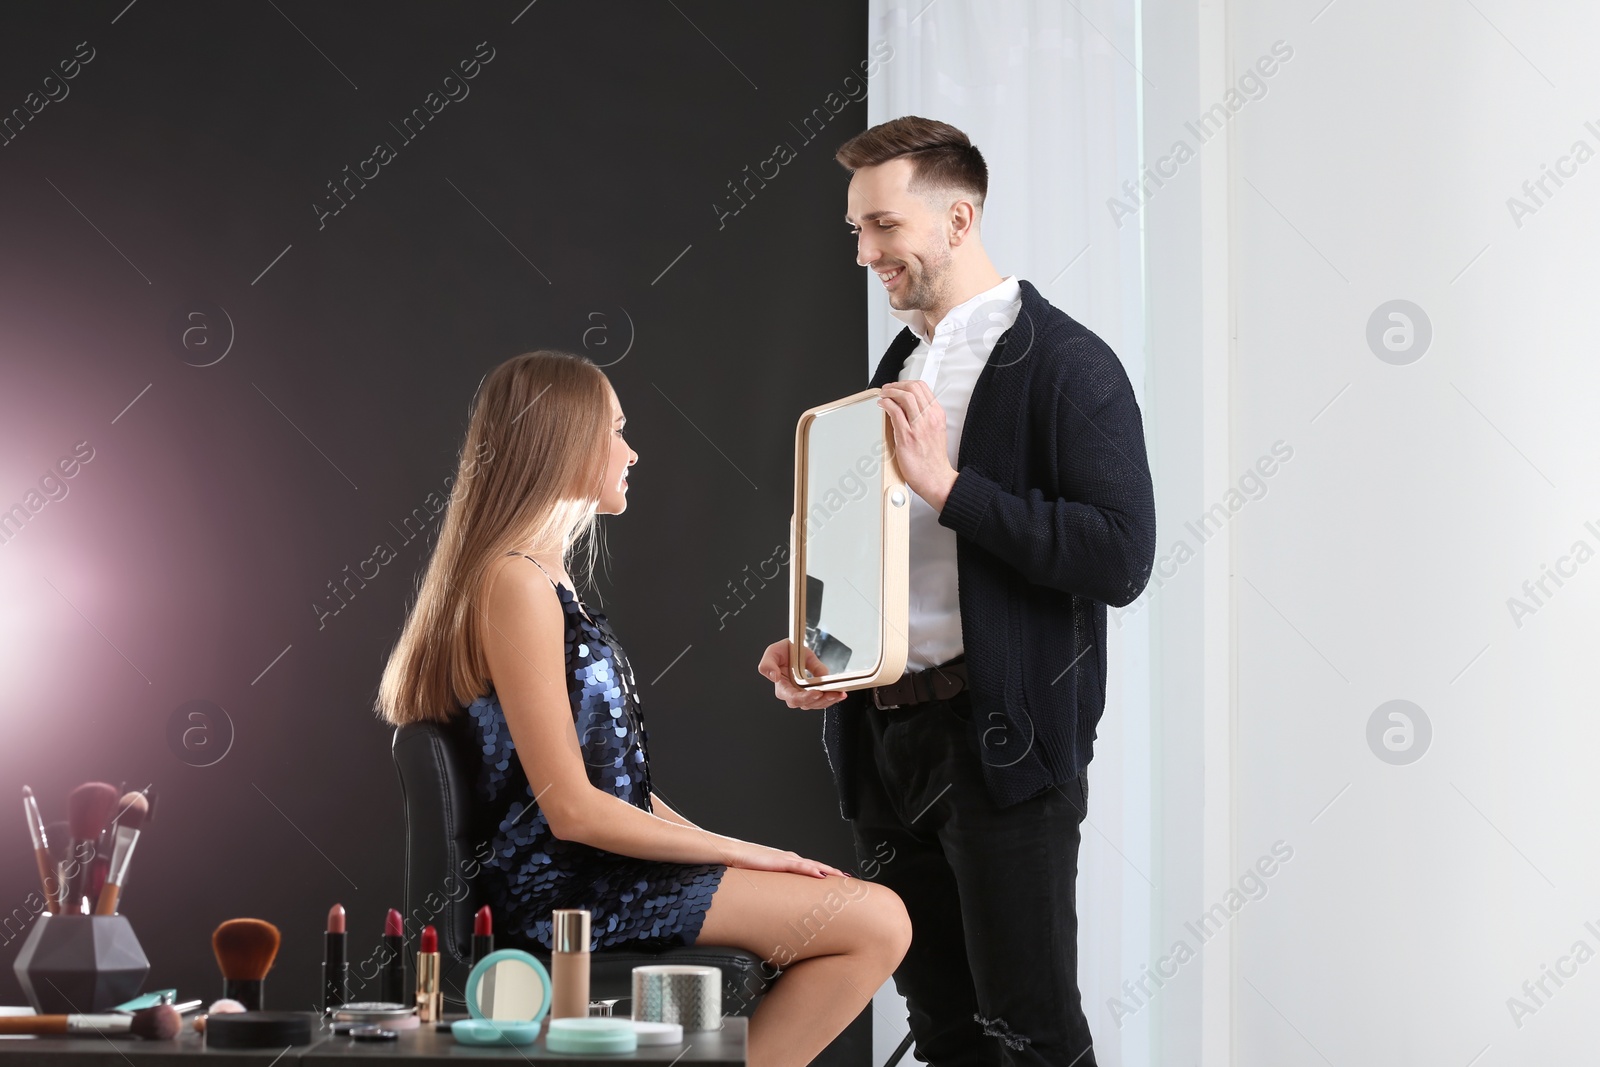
(1017,430)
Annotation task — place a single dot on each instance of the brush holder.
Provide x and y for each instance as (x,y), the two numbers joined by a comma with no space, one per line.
(80,963)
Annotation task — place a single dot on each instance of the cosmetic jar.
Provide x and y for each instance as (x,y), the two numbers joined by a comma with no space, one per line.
(592,1034)
(669,993)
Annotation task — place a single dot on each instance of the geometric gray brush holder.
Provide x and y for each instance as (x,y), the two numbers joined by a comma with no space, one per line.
(80,963)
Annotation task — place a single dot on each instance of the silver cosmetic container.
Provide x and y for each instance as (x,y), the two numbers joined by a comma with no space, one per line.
(667,993)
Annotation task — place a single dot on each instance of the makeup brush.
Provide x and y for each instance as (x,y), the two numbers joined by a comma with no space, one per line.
(160,1023)
(58,838)
(102,848)
(245,949)
(89,808)
(49,877)
(149,794)
(105,847)
(134,807)
(218,1007)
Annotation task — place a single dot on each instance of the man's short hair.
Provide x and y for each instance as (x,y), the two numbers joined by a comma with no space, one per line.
(942,157)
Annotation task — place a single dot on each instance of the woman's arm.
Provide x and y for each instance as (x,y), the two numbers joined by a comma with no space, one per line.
(659,806)
(523,637)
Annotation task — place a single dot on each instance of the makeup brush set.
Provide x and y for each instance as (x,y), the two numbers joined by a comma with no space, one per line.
(82,957)
(83,862)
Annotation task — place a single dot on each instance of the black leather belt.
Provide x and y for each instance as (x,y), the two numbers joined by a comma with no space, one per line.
(935,683)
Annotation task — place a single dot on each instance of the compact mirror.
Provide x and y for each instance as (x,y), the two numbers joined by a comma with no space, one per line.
(849,548)
(508,985)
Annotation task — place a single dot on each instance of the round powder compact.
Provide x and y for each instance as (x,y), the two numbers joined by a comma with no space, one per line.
(259,1029)
(594,1034)
(373,1032)
(658,1033)
(388,1015)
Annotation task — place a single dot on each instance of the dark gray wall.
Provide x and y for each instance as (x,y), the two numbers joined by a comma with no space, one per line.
(578,196)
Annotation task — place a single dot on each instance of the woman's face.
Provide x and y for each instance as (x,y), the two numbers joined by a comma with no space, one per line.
(614,492)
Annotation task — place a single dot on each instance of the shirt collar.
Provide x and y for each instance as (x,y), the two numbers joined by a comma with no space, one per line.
(956,317)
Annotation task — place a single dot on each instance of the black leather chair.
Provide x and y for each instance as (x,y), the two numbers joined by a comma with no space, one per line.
(444,833)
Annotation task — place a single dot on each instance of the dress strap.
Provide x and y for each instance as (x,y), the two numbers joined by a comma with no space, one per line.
(557,585)
(536,563)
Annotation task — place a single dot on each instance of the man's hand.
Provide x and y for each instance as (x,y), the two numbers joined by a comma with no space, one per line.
(920,447)
(775,665)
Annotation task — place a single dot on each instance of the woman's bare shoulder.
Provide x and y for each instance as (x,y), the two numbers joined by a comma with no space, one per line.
(515,588)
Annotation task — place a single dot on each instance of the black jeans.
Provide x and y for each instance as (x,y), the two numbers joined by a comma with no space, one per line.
(991,977)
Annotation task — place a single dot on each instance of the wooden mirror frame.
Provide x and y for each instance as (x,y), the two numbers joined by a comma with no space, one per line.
(894,560)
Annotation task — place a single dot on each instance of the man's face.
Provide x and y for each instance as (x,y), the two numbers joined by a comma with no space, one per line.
(899,236)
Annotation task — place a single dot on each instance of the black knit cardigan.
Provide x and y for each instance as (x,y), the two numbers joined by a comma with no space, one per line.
(1054,512)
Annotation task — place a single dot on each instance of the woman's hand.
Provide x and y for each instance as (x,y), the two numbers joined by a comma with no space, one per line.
(754,857)
(775,665)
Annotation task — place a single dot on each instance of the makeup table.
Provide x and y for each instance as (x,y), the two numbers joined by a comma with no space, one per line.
(422,1046)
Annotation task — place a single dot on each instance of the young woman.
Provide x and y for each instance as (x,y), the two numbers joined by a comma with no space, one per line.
(499,634)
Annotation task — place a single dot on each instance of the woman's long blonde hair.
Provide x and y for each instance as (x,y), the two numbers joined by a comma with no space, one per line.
(528,480)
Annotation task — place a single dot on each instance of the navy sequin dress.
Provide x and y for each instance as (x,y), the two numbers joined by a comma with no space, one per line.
(632,902)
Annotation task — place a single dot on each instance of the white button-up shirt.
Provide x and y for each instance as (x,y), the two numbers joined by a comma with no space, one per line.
(950,362)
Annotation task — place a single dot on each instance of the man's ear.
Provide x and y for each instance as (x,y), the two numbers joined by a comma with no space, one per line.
(963,222)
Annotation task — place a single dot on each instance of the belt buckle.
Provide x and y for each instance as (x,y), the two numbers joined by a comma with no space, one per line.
(877,701)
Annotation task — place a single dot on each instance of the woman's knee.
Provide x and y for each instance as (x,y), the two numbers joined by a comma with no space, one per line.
(887,924)
(857,916)
(786,917)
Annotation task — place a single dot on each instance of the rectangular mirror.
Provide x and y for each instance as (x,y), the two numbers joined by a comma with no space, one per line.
(849,542)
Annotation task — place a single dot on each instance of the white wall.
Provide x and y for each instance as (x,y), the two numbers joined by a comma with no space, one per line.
(1379,563)
(1184,224)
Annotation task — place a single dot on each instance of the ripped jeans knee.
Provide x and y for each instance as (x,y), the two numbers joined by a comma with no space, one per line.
(998,1027)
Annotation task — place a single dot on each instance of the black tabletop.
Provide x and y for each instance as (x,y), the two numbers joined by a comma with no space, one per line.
(425,1045)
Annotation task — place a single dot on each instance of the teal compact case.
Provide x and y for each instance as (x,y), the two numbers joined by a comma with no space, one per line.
(494,1032)
(508,996)
(149,1000)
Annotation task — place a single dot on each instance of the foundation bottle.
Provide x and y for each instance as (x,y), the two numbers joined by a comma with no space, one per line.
(569,963)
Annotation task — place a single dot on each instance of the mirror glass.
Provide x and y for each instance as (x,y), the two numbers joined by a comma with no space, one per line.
(844,455)
(509,988)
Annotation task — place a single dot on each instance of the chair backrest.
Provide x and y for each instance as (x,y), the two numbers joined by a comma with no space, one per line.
(445,840)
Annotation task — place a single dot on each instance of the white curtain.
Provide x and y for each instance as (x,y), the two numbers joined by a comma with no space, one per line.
(1048,91)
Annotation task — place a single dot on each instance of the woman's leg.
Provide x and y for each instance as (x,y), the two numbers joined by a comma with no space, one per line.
(836,940)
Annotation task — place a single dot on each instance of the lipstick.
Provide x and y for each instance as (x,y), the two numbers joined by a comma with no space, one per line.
(429,1000)
(393,985)
(335,967)
(482,934)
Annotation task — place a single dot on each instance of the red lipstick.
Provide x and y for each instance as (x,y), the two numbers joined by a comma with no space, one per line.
(429,1000)
(482,934)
